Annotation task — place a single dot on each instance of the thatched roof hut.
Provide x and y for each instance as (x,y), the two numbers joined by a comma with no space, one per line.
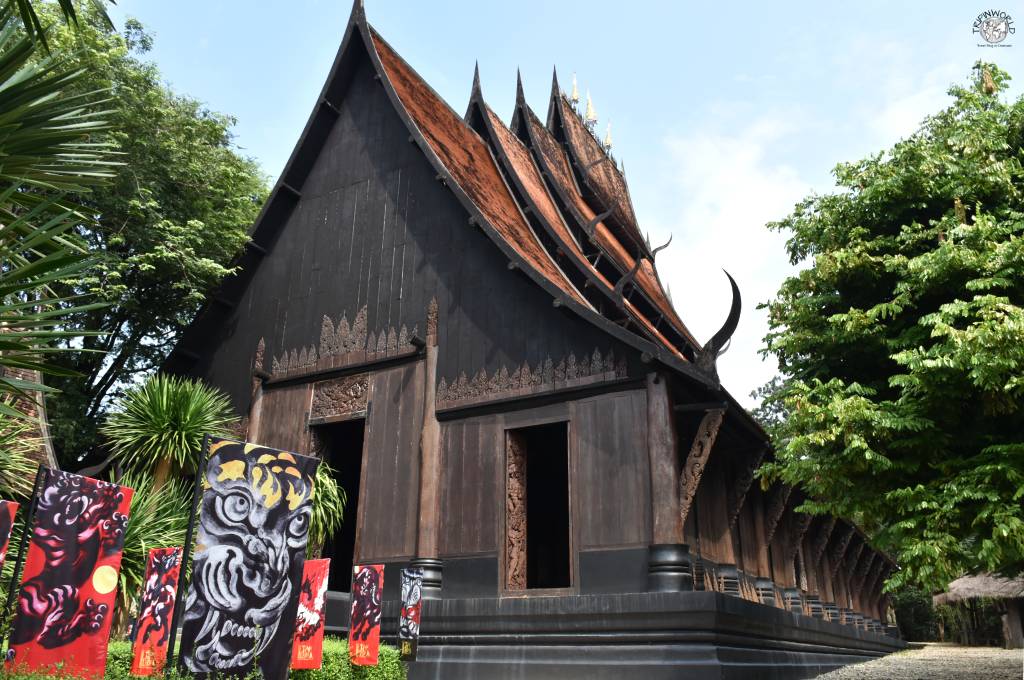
(981,585)
(1009,590)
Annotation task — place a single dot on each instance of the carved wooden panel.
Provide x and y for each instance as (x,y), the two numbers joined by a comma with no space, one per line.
(801,523)
(339,396)
(776,508)
(693,470)
(524,379)
(515,513)
(344,344)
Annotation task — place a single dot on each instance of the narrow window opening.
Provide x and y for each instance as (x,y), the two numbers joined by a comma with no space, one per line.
(341,445)
(537,508)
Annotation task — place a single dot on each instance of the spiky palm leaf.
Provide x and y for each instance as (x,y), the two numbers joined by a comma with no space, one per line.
(30,19)
(165,418)
(47,150)
(329,500)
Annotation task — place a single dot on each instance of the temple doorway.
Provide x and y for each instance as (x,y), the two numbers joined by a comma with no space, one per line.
(341,445)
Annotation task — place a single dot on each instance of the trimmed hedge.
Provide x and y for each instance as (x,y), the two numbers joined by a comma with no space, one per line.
(336,665)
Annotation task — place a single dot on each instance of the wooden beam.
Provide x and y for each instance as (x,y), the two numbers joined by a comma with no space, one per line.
(430,449)
(697,459)
(701,406)
(777,502)
(666,526)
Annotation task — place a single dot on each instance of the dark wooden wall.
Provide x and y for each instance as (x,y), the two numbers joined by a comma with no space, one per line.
(374,228)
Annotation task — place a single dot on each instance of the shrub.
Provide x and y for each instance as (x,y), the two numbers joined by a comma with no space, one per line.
(915,615)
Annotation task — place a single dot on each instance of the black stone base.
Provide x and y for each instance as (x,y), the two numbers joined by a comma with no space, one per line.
(648,636)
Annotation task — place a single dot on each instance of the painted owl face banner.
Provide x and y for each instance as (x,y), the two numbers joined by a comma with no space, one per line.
(308,646)
(8,511)
(250,549)
(364,626)
(412,606)
(70,582)
(149,651)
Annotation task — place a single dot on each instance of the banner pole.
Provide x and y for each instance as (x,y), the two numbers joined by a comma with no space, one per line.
(186,553)
(30,515)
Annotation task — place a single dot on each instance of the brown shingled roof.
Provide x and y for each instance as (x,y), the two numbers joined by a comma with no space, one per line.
(466,157)
(525,169)
(599,171)
(555,161)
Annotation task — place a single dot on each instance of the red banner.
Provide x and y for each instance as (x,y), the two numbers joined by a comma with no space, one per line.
(308,643)
(8,510)
(364,628)
(156,606)
(70,582)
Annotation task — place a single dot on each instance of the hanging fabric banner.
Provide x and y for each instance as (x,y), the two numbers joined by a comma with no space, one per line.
(364,628)
(409,622)
(69,585)
(8,511)
(250,549)
(156,606)
(308,647)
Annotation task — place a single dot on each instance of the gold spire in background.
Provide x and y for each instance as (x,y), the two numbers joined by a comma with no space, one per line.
(575,96)
(608,137)
(590,117)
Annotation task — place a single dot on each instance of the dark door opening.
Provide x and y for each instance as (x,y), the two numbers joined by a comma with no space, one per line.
(341,445)
(539,473)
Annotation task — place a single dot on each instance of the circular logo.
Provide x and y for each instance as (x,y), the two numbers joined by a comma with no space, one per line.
(104,579)
(993,26)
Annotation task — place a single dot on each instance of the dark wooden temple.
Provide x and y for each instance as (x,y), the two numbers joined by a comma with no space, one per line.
(463,318)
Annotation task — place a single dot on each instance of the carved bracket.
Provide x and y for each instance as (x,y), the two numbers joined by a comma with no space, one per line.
(776,508)
(340,396)
(821,540)
(742,485)
(840,550)
(863,567)
(801,523)
(697,460)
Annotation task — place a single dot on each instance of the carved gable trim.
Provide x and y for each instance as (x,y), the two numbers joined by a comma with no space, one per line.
(700,451)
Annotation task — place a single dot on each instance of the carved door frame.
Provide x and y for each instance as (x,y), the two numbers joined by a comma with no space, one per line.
(552,415)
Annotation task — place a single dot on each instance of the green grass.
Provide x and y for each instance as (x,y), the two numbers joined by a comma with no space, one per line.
(336,665)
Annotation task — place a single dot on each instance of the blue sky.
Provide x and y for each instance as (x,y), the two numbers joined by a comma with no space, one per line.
(724,114)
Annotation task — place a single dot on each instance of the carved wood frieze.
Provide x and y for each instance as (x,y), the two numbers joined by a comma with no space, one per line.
(777,502)
(343,344)
(524,380)
(339,396)
(697,460)
(515,514)
(821,540)
(840,549)
(743,480)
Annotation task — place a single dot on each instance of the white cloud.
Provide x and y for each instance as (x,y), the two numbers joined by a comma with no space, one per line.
(726,187)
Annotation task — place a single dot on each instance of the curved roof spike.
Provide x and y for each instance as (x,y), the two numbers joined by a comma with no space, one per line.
(358,8)
(476,77)
(555,89)
(520,95)
(718,340)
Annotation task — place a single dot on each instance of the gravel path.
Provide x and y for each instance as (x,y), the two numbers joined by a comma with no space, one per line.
(938,662)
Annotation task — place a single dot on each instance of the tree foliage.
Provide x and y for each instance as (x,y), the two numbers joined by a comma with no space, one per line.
(170,222)
(901,342)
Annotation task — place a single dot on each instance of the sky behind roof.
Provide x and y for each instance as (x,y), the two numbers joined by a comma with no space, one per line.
(724,115)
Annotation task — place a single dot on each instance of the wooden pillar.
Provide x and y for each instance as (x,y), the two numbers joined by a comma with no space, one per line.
(430,468)
(252,432)
(662,447)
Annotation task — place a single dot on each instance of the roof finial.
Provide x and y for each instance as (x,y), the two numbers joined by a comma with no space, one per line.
(476,78)
(608,138)
(590,117)
(575,97)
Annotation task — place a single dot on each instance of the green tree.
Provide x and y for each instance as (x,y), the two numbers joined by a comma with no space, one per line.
(901,342)
(170,223)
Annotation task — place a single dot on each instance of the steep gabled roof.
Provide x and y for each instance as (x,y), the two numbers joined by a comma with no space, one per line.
(554,161)
(596,167)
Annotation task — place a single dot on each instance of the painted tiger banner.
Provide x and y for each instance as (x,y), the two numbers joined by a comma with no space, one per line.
(364,626)
(69,586)
(8,511)
(250,549)
(308,645)
(412,606)
(156,606)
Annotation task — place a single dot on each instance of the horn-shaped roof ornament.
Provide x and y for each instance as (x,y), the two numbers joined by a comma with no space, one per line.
(713,349)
